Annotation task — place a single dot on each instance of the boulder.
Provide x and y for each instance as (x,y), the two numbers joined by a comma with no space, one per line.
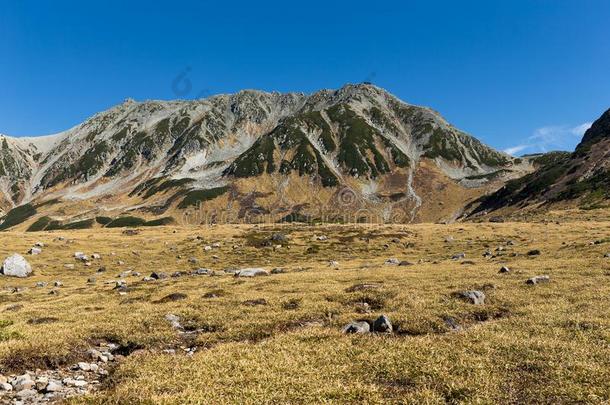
(458,256)
(474,297)
(538,280)
(357,327)
(35,251)
(382,325)
(251,272)
(16,266)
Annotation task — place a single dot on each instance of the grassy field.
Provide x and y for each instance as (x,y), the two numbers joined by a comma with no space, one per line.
(547,343)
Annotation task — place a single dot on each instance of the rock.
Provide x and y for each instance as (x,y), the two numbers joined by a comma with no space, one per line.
(278,237)
(504,269)
(171,298)
(41,284)
(158,276)
(452,324)
(278,270)
(101,269)
(333,263)
(16,266)
(173,320)
(607,255)
(53,386)
(26,393)
(23,382)
(4,386)
(382,325)
(392,262)
(147,279)
(193,260)
(322,237)
(39,244)
(35,251)
(84,366)
(357,327)
(203,272)
(216,245)
(81,256)
(207,248)
(58,284)
(474,297)
(91,280)
(487,254)
(405,263)
(458,256)
(251,272)
(258,301)
(534,252)
(538,280)
(496,219)
(96,256)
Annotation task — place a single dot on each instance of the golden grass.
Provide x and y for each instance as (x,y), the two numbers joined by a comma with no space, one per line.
(548,343)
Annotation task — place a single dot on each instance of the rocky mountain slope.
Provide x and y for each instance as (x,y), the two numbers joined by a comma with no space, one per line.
(255,154)
(581,177)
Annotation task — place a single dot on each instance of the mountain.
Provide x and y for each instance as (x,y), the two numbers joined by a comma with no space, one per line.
(562,179)
(254,156)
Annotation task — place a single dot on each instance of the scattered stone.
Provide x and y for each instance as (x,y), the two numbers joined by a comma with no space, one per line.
(174,320)
(81,256)
(538,280)
(487,254)
(58,284)
(534,252)
(23,382)
(171,298)
(41,284)
(158,276)
(504,269)
(53,386)
(474,297)
(16,266)
(333,263)
(357,327)
(607,255)
(452,324)
(101,269)
(278,270)
(96,256)
(392,262)
(193,260)
(382,325)
(4,386)
(252,303)
(84,366)
(203,272)
(35,251)
(405,263)
(91,280)
(322,237)
(39,244)
(251,272)
(458,256)
(207,248)
(278,237)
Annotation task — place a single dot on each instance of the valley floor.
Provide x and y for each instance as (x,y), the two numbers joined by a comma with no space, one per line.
(278,338)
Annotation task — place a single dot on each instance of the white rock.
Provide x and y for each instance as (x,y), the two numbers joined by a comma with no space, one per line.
(251,272)
(84,366)
(16,266)
(54,386)
(4,386)
(35,251)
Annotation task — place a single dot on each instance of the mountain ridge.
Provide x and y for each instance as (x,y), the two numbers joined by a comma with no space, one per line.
(359,136)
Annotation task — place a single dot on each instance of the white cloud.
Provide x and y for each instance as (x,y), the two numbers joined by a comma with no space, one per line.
(552,137)
(515,149)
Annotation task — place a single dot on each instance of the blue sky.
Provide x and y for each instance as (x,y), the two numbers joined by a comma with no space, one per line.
(522,76)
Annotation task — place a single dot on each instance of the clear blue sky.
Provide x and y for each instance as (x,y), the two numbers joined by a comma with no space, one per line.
(522,74)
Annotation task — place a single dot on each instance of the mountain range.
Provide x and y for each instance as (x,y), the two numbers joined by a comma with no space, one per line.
(353,154)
